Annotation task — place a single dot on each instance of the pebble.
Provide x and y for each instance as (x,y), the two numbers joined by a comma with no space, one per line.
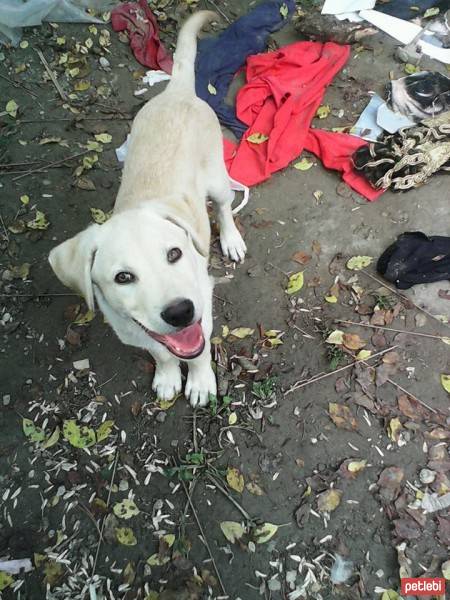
(427,476)
(161,417)
(6,399)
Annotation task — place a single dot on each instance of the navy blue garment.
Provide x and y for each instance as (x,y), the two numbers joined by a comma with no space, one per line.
(219,58)
(416,258)
(409,9)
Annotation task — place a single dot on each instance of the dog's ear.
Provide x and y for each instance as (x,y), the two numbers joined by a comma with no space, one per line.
(73,259)
(201,245)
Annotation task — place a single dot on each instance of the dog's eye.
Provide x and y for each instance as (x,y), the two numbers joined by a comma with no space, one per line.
(124,277)
(174,254)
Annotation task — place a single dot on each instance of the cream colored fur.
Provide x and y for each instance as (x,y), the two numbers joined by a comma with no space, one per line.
(174,162)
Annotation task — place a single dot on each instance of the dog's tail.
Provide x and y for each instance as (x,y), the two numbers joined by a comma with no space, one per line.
(183,73)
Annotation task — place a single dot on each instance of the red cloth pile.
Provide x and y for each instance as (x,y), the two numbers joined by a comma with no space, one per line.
(283,91)
(140,23)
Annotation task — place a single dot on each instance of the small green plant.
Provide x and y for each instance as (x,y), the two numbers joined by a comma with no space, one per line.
(385,302)
(265,388)
(335,356)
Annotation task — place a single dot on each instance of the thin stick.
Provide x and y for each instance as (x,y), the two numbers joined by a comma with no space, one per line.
(4,228)
(203,536)
(50,165)
(305,333)
(103,522)
(77,118)
(17,84)
(219,10)
(34,295)
(315,378)
(52,75)
(222,299)
(225,493)
(427,335)
(397,293)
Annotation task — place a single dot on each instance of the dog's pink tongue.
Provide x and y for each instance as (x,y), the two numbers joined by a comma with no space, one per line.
(189,342)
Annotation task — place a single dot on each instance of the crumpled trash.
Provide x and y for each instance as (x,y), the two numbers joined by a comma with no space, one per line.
(15,14)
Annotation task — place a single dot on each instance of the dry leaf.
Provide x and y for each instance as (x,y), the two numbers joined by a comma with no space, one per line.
(265,532)
(257,138)
(356,263)
(235,479)
(329,500)
(301,257)
(303,165)
(342,416)
(352,341)
(126,509)
(445,380)
(336,337)
(254,489)
(232,531)
(241,332)
(126,536)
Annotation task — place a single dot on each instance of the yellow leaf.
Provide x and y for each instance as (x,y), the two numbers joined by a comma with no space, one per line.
(211,89)
(232,419)
(53,439)
(272,333)
(84,318)
(155,560)
(169,538)
(61,40)
(336,338)
(254,488)
(265,532)
(225,331)
(36,434)
(323,111)
(363,354)
(235,479)
(257,138)
(39,222)
(331,299)
(242,332)
(5,580)
(295,283)
(303,165)
(126,509)
(446,340)
(216,341)
(394,429)
(11,108)
(25,199)
(152,596)
(284,10)
(166,404)
(329,500)
(126,536)
(355,466)
(24,44)
(99,216)
(78,437)
(82,85)
(53,572)
(410,69)
(445,380)
(232,531)
(356,263)
(104,138)
(104,430)
(390,595)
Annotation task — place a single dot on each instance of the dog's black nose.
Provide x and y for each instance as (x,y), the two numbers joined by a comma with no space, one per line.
(179,313)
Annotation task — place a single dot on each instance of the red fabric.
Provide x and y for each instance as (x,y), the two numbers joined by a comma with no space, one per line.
(283,91)
(142,28)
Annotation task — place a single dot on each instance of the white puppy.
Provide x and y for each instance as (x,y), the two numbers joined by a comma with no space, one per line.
(147,266)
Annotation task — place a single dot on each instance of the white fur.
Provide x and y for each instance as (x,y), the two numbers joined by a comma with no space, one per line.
(174,163)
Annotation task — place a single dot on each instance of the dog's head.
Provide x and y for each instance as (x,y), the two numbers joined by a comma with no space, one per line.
(420,95)
(145,267)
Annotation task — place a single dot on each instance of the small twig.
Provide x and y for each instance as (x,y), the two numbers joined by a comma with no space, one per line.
(427,335)
(219,10)
(52,76)
(397,293)
(194,431)
(4,228)
(222,299)
(17,84)
(305,333)
(315,378)
(232,500)
(77,118)
(107,381)
(35,295)
(90,515)
(205,540)
(103,522)
(53,164)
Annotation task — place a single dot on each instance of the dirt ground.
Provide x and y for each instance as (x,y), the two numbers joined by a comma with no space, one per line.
(337,464)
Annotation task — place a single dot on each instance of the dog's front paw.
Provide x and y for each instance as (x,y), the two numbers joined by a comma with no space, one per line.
(199,385)
(232,244)
(167,381)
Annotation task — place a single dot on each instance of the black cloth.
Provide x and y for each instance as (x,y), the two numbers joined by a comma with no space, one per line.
(416,258)
(407,9)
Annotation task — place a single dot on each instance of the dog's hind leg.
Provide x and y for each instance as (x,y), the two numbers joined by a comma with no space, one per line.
(222,196)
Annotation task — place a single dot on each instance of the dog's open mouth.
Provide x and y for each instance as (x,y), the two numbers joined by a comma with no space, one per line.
(186,343)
